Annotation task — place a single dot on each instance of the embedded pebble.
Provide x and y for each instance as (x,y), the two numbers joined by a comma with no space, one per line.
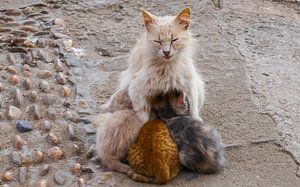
(66,91)
(55,153)
(28,44)
(12,12)
(106,176)
(7,176)
(44,74)
(51,113)
(18,99)
(11,59)
(45,170)
(58,21)
(14,113)
(41,42)
(29,28)
(76,169)
(19,41)
(26,70)
(41,33)
(30,22)
(27,84)
(90,129)
(50,99)
(5,29)
(14,80)
(18,142)
(37,114)
(90,152)
(67,114)
(77,149)
(58,65)
(11,69)
(19,33)
(58,35)
(83,103)
(22,175)
(17,50)
(85,120)
(53,139)
(84,111)
(59,178)
(38,156)
(27,10)
(61,78)
(1,87)
(24,126)
(47,125)
(68,45)
(70,132)
(33,96)
(16,158)
(28,60)
(43,55)
(11,24)
(42,183)
(45,86)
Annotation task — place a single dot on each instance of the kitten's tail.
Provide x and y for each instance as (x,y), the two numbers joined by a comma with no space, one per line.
(139,178)
(116,165)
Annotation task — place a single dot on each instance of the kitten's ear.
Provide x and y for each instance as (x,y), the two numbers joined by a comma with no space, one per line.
(181,98)
(149,19)
(183,18)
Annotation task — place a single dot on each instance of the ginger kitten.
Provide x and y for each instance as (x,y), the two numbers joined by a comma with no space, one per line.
(155,154)
(200,146)
(161,61)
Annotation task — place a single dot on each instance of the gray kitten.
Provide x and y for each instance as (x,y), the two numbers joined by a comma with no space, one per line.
(200,146)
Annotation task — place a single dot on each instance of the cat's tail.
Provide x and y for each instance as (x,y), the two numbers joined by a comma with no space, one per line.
(139,178)
(116,165)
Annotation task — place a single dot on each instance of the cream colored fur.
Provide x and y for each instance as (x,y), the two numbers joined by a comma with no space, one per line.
(149,73)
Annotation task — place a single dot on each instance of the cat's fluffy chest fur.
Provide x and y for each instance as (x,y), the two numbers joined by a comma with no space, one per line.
(163,77)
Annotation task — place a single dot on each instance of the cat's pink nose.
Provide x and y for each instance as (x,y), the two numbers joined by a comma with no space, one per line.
(166,53)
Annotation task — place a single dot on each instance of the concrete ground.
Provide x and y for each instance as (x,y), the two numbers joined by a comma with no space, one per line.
(249,55)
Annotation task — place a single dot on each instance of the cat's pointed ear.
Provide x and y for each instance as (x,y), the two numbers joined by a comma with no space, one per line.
(149,19)
(184,18)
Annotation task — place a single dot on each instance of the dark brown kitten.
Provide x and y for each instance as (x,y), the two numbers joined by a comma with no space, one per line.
(199,145)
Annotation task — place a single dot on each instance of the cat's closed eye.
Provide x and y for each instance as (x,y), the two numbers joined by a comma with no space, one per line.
(174,40)
(157,41)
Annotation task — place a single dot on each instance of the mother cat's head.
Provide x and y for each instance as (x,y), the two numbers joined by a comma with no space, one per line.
(168,37)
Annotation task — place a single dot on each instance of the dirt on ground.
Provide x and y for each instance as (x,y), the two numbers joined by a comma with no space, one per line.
(248,53)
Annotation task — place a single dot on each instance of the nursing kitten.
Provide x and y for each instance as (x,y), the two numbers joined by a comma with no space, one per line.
(155,153)
(199,145)
(162,60)
(117,131)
